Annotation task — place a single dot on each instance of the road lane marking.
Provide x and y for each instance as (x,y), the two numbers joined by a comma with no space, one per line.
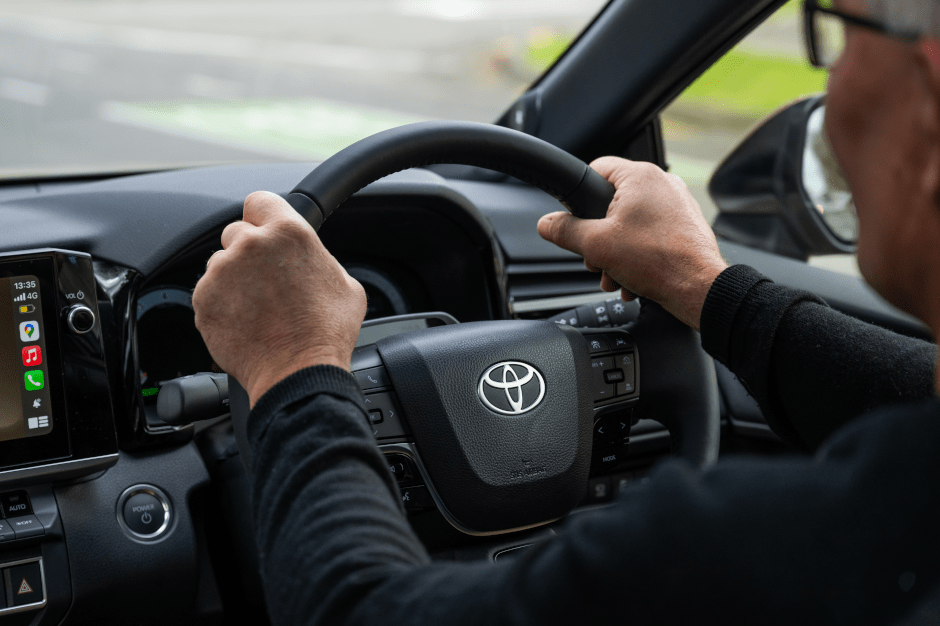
(211,87)
(498,11)
(331,56)
(24,91)
(293,129)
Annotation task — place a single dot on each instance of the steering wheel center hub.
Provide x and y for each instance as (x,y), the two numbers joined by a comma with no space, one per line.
(501,414)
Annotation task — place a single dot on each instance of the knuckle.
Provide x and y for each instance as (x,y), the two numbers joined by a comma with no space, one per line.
(251,241)
(648,172)
(676,180)
(294,229)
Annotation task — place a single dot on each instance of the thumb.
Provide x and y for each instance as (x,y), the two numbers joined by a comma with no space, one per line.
(564,230)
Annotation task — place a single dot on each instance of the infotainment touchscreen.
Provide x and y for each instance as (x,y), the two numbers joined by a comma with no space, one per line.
(25,402)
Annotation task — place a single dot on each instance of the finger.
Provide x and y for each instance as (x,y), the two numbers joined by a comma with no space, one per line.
(566,231)
(213,255)
(233,232)
(614,169)
(590,267)
(608,283)
(263,207)
(627,296)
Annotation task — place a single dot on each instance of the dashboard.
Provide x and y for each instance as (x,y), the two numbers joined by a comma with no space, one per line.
(106,507)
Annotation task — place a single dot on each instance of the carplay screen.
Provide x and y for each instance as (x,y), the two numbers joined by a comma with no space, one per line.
(25,401)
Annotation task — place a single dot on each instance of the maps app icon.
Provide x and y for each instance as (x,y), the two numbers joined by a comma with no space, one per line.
(29,331)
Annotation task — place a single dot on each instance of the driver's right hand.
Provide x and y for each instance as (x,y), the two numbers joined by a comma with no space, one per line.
(653,243)
(274,301)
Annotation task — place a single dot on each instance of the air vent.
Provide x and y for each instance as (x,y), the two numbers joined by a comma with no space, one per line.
(539,290)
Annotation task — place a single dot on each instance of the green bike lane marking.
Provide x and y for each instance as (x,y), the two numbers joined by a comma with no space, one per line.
(305,128)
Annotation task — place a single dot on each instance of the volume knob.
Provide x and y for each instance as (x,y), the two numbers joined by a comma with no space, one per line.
(80,319)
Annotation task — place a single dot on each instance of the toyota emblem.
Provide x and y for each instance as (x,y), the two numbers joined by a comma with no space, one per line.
(511,388)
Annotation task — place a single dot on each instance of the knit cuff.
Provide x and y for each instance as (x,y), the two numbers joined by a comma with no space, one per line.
(721,308)
(299,386)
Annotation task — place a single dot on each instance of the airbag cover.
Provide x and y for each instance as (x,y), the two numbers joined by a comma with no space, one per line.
(506,461)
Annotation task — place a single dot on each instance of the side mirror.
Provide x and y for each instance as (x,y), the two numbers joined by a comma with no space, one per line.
(780,190)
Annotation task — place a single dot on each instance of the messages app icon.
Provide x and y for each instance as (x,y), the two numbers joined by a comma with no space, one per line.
(34,380)
(29,331)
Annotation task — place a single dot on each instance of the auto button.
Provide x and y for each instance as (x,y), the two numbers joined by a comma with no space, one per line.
(16,504)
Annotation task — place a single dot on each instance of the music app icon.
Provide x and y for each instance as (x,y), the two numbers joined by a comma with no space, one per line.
(32,355)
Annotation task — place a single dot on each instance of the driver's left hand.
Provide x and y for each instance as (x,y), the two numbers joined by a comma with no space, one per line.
(274,300)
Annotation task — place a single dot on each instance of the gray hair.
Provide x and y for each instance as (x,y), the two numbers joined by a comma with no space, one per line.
(922,16)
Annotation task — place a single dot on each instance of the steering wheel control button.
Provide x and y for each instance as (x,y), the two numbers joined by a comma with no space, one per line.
(15,504)
(25,584)
(602,389)
(402,469)
(391,425)
(375,417)
(599,489)
(80,319)
(613,376)
(144,512)
(373,378)
(605,432)
(620,341)
(621,423)
(627,364)
(416,498)
(597,343)
(6,531)
(26,526)
(607,458)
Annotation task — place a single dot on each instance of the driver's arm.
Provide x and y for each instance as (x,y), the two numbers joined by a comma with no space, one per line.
(811,369)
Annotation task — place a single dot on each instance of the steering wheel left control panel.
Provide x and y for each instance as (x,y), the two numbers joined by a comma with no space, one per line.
(56,418)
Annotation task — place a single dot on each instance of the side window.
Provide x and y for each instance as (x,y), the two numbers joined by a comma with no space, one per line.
(763,72)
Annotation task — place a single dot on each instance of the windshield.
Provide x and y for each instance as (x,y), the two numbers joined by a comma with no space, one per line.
(108,85)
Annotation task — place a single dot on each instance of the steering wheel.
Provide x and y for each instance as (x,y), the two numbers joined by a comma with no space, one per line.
(501,413)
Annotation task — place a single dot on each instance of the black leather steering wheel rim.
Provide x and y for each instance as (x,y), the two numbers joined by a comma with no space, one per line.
(583,191)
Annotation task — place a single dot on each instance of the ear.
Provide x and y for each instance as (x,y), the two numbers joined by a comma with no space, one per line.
(930,52)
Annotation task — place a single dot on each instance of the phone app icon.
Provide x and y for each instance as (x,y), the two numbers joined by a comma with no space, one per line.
(29,331)
(32,355)
(34,380)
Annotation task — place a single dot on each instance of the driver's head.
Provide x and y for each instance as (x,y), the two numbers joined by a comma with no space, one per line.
(883,119)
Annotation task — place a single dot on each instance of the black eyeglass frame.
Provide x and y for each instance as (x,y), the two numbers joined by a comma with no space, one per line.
(811,7)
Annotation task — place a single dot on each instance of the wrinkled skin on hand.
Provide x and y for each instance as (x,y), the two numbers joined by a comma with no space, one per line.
(274,300)
(653,243)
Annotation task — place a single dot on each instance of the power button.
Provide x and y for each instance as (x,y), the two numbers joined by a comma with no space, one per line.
(144,512)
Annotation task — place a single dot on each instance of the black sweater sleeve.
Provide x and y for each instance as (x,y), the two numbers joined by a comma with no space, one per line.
(811,369)
(787,541)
